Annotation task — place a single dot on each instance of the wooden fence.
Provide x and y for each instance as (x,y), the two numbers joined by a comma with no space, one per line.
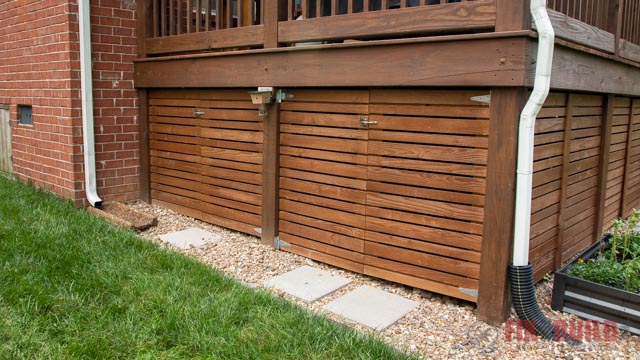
(6,163)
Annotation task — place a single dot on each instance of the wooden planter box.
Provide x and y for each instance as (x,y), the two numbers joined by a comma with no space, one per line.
(595,301)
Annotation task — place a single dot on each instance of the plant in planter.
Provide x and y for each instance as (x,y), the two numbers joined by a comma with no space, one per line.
(603,283)
(618,263)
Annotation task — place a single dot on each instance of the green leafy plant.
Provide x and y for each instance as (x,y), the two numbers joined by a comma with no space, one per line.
(618,263)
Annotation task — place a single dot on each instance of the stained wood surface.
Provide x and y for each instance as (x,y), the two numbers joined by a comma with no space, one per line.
(6,163)
(401,199)
(454,17)
(252,36)
(574,30)
(210,165)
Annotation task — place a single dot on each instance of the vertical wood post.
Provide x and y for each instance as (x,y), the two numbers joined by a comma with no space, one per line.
(270,174)
(274,11)
(605,150)
(564,182)
(494,299)
(626,208)
(144,30)
(512,15)
(614,22)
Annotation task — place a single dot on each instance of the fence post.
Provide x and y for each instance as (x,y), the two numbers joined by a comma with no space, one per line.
(605,149)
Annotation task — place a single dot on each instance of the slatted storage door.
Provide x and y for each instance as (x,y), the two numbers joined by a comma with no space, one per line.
(400,199)
(425,189)
(206,155)
(323,175)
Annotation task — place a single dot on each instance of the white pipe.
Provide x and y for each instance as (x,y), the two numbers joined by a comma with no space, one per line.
(541,86)
(86,84)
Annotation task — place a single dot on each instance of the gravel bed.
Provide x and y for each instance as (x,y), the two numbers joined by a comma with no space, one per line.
(440,328)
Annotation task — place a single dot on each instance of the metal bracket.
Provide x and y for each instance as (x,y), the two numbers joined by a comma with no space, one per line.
(365,122)
(197,112)
(482,98)
(278,244)
(281,95)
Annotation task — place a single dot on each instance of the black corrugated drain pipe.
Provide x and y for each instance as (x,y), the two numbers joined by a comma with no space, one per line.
(534,321)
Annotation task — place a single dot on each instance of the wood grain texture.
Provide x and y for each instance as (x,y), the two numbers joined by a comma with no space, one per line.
(250,36)
(568,28)
(497,61)
(493,297)
(629,50)
(464,16)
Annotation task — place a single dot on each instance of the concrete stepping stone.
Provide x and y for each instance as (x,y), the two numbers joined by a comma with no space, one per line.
(307,283)
(191,237)
(371,307)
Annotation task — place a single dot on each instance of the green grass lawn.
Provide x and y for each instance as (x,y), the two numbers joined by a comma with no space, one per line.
(73,286)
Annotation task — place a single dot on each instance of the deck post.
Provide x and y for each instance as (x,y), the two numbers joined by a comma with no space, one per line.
(144,29)
(274,11)
(494,299)
(271,173)
(512,15)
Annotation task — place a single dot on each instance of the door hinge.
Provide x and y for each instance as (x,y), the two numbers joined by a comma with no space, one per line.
(278,244)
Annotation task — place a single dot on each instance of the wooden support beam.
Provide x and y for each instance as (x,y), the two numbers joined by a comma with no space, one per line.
(603,168)
(494,299)
(497,62)
(270,12)
(271,174)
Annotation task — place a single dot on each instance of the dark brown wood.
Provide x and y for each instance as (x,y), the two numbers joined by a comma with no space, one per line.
(512,15)
(251,36)
(493,297)
(271,32)
(271,174)
(143,138)
(497,61)
(603,166)
(464,16)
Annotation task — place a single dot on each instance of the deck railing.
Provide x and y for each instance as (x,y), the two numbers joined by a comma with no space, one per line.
(180,26)
(609,25)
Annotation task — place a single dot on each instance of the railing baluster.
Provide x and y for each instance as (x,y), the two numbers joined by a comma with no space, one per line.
(318,8)
(163,18)
(189,15)
(349,6)
(156,25)
(207,16)
(334,7)
(365,5)
(198,15)
(385,5)
(240,12)
(179,22)
(227,9)
(305,8)
(251,12)
(172,21)
(403,4)
(219,15)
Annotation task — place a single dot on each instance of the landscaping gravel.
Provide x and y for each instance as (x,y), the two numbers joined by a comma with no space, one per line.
(440,328)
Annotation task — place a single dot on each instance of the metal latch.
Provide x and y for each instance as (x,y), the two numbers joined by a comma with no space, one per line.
(364,122)
(197,112)
(278,244)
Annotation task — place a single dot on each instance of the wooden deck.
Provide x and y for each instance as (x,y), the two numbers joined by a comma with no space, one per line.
(424,196)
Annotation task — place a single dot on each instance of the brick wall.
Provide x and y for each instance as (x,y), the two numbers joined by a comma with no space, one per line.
(40,66)
(113,24)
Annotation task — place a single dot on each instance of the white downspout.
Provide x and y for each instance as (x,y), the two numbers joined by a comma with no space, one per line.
(86,84)
(541,86)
